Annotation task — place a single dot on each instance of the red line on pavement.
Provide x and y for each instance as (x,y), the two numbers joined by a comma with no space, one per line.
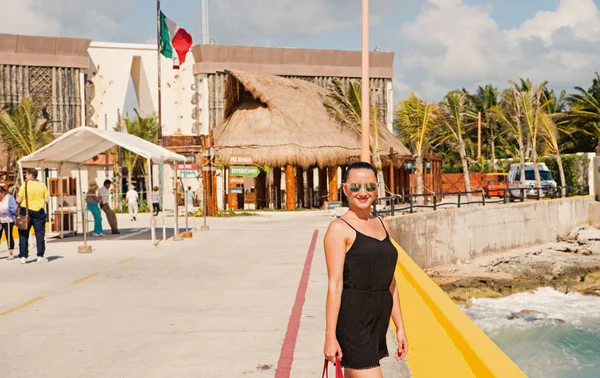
(286,357)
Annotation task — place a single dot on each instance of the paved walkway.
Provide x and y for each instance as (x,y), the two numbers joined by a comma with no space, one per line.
(217,305)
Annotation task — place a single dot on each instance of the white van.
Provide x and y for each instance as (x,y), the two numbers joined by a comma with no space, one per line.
(529,185)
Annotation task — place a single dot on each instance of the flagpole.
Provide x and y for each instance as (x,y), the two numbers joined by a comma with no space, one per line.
(159,129)
(160,141)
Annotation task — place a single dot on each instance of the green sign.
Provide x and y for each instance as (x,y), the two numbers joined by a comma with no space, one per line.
(187,174)
(244,171)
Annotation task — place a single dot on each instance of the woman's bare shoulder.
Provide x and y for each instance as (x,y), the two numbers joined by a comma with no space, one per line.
(337,227)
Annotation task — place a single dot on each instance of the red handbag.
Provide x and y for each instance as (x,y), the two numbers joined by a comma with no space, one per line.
(338,369)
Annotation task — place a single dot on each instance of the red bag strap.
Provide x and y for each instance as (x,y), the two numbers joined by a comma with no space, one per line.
(339,373)
(325,370)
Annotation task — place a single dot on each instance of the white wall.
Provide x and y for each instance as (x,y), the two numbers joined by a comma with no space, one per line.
(444,236)
(111,69)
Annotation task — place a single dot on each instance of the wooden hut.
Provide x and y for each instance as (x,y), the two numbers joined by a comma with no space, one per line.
(282,123)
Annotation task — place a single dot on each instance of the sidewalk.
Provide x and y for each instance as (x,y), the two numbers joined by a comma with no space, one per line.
(217,305)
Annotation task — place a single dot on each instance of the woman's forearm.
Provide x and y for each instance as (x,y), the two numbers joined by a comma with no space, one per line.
(332,310)
(396,309)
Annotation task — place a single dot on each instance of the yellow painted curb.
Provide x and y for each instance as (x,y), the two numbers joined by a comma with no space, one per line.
(443,341)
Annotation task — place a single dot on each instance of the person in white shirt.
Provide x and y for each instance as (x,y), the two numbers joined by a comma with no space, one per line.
(132,203)
(155,196)
(104,205)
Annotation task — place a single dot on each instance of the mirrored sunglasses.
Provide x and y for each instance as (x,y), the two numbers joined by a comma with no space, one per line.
(369,187)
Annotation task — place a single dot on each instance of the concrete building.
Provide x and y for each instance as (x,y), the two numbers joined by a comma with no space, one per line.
(80,82)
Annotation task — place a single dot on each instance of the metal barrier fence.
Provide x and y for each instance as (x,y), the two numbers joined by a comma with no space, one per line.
(409,203)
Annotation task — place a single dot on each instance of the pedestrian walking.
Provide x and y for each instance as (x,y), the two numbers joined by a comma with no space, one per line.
(190,199)
(8,212)
(92,200)
(32,199)
(362,292)
(105,206)
(155,196)
(132,203)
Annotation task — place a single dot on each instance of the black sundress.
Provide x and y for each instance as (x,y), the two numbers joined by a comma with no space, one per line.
(366,307)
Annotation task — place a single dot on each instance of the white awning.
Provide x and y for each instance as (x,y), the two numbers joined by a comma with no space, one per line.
(83,143)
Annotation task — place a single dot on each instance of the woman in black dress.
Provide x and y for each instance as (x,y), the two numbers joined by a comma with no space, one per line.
(362,292)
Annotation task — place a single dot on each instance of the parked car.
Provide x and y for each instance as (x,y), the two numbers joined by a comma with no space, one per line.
(495,185)
(515,183)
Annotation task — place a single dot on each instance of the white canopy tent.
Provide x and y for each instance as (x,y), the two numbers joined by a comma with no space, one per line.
(83,143)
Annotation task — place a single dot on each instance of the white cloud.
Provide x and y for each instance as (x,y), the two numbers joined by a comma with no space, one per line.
(68,18)
(275,18)
(19,17)
(451,45)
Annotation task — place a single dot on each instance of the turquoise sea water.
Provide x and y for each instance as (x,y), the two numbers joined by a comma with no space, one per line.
(550,335)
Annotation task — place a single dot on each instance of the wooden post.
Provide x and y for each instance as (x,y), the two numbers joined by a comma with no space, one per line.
(310,180)
(322,185)
(290,188)
(333,184)
(277,188)
(300,187)
(478,135)
(260,184)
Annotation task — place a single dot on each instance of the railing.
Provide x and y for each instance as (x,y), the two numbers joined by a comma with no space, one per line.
(409,203)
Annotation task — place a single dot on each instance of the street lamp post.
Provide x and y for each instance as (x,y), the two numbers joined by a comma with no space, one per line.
(365,154)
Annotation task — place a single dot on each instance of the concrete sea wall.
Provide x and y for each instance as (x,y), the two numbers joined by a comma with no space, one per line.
(445,236)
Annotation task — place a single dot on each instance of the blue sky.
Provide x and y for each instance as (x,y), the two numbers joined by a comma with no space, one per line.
(439,44)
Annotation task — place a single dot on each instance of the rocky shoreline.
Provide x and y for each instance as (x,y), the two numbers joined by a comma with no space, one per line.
(570,264)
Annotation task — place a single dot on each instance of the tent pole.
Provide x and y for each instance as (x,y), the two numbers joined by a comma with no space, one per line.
(161,179)
(85,248)
(152,219)
(185,200)
(176,191)
(62,199)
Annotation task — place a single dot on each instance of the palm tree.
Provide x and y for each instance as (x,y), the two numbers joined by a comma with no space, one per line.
(584,114)
(23,130)
(415,123)
(453,114)
(508,114)
(345,104)
(143,127)
(550,134)
(484,101)
(531,107)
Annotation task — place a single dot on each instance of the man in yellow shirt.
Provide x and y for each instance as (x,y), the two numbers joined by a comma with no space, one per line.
(33,200)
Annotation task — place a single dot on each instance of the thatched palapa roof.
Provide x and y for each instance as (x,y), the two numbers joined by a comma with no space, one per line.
(282,121)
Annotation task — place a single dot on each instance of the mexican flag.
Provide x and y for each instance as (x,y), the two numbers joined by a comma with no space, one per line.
(175,42)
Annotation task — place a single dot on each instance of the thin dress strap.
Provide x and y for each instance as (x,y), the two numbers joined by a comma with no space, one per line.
(385,229)
(349,224)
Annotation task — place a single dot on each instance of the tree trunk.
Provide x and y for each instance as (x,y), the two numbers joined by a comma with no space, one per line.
(380,177)
(465,167)
(419,177)
(536,172)
(493,148)
(521,162)
(290,188)
(129,177)
(563,189)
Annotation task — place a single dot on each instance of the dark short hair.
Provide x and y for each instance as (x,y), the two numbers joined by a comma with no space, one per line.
(107,182)
(33,172)
(2,190)
(358,165)
(156,188)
